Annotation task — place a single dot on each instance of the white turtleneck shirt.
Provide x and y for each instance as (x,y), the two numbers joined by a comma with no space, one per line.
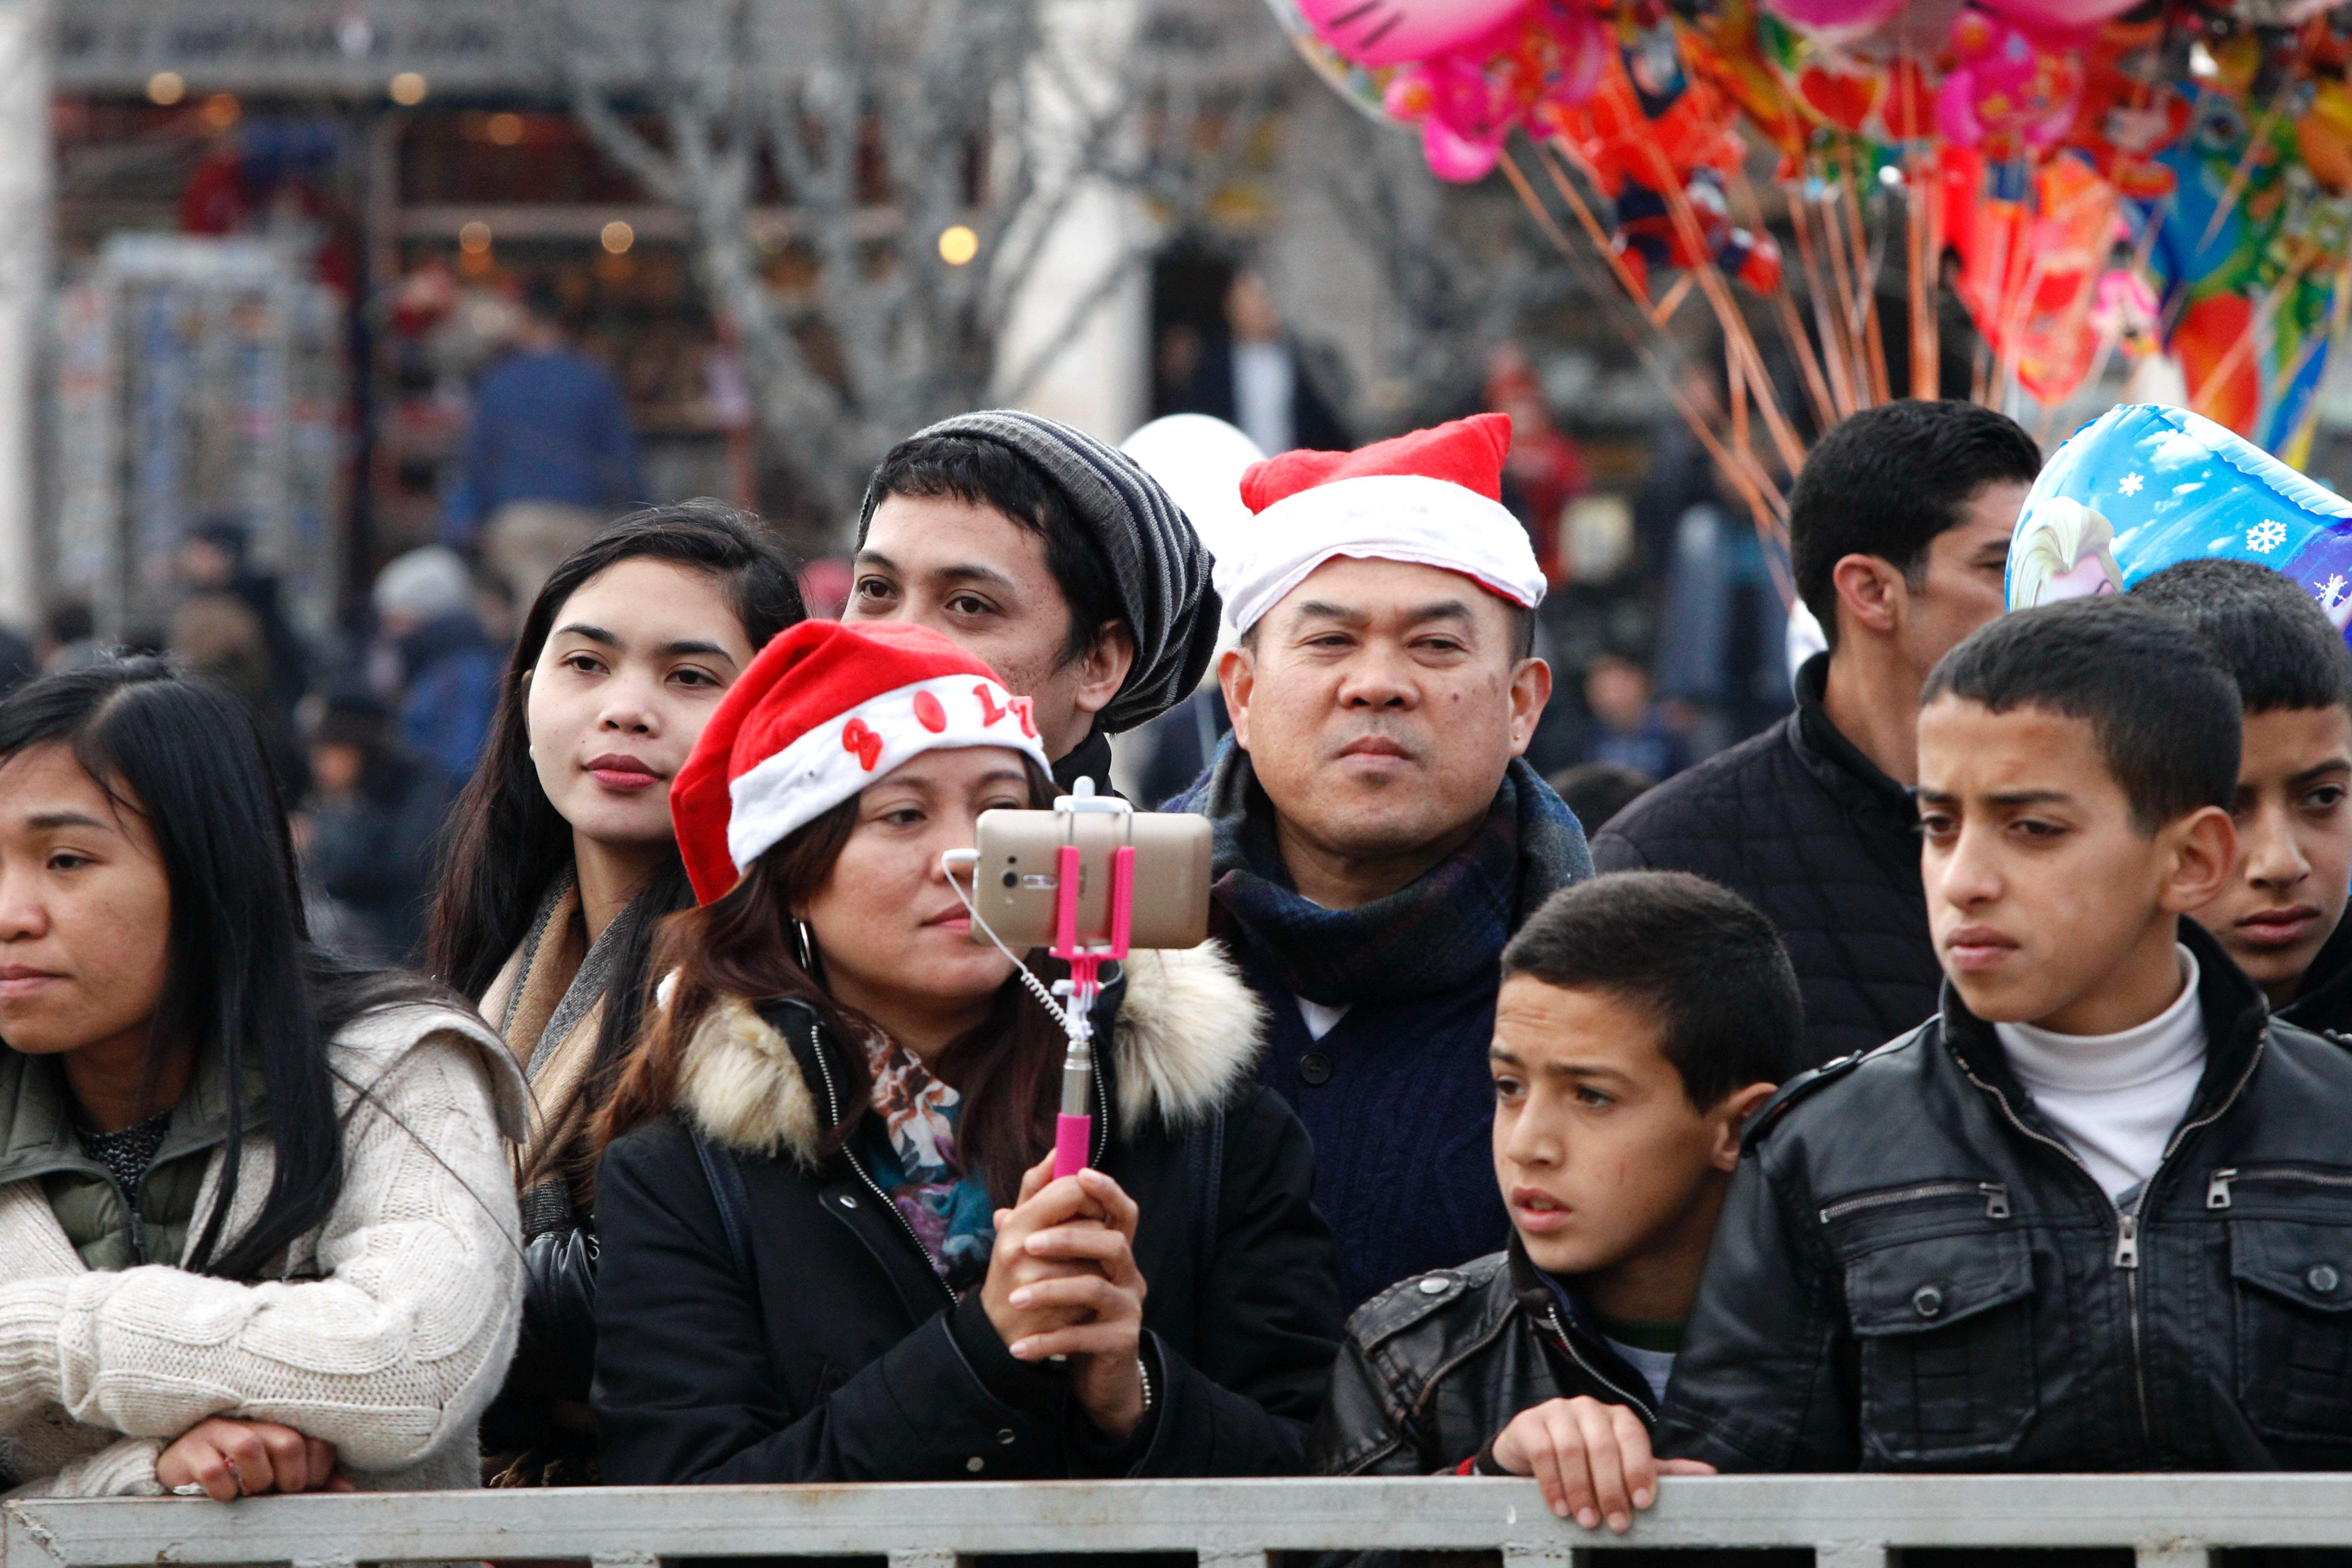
(2115,1099)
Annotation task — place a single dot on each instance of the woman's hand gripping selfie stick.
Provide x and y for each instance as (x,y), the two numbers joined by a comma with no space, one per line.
(1071,1001)
(1074,1128)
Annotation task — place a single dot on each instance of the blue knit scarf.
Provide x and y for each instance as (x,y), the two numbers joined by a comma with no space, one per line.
(1443,932)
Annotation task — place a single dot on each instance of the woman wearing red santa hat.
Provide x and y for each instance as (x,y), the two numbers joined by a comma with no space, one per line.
(831,1250)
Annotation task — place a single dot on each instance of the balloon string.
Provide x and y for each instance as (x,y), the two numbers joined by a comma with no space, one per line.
(1842,279)
(1834,356)
(2338,309)
(1740,342)
(2258,322)
(1865,284)
(1917,209)
(1793,335)
(1764,501)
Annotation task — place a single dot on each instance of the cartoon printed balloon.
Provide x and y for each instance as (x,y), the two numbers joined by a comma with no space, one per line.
(1358,87)
(2010,87)
(1393,32)
(2145,487)
(1528,70)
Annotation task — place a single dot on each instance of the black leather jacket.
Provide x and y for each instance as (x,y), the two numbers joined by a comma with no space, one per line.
(2324,1006)
(1433,1368)
(1913,1272)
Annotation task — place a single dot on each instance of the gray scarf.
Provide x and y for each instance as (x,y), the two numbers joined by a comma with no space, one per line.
(578,997)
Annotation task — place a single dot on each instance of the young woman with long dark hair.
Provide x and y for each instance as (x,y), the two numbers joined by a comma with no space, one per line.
(257,1230)
(832,1247)
(559,862)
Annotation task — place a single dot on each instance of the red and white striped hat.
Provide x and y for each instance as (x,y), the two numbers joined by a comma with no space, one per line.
(1429,498)
(824,710)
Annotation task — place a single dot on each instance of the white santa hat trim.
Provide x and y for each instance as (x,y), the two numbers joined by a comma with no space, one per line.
(834,761)
(1410,518)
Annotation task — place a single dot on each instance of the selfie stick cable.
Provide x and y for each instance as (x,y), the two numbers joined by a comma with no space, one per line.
(1074,1127)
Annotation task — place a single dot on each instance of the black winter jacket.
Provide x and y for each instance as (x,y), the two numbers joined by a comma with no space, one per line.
(1801,825)
(1433,1368)
(845,1358)
(1913,1272)
(2324,1003)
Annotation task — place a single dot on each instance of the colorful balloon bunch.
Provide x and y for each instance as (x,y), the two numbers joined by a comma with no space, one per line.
(2072,156)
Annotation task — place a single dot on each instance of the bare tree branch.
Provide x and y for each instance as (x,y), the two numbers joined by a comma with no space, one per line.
(887,123)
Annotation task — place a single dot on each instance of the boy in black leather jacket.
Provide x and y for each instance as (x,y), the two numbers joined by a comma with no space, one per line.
(1642,1017)
(2097,1214)
(2280,916)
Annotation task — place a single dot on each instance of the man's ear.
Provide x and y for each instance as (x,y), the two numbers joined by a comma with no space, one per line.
(1102,668)
(2204,847)
(1236,676)
(1871,591)
(1530,690)
(1730,1116)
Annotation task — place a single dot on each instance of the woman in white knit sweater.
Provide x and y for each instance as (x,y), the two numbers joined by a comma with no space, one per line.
(310,1282)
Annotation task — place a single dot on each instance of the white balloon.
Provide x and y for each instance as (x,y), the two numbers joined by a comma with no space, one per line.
(1199,461)
(1804,638)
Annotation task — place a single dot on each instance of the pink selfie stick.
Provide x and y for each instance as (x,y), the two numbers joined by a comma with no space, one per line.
(1074,1128)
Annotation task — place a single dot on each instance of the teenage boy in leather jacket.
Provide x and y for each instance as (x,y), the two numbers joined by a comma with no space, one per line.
(2282,915)
(2097,1214)
(1642,1017)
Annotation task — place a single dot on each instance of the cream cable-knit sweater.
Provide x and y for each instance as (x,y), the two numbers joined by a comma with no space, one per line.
(388,1341)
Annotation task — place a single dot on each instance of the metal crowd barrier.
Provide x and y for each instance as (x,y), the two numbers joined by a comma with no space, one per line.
(1848,1521)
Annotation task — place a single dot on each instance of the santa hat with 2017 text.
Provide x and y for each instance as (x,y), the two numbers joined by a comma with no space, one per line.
(1428,497)
(824,710)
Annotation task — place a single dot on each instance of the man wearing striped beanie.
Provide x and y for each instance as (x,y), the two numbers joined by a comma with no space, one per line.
(1053,557)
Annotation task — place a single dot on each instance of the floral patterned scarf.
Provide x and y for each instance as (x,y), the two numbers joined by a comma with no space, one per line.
(910,1152)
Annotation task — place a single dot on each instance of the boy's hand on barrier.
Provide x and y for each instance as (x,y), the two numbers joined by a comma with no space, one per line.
(1045,1205)
(1592,1460)
(1100,1301)
(230,1458)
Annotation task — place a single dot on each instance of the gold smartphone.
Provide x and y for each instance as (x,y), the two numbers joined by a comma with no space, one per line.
(1018,880)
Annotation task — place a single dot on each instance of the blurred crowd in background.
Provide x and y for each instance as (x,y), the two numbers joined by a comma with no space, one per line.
(374,728)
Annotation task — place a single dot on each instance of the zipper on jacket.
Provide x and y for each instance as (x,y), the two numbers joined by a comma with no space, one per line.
(833,1114)
(1995,1194)
(1649,1414)
(2127,1245)
(2126,1255)
(2217,1185)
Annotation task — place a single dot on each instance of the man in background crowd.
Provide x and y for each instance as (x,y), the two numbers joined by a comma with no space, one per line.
(1628,729)
(68,638)
(1545,470)
(216,558)
(1255,375)
(549,455)
(1378,836)
(1899,532)
(448,674)
(366,839)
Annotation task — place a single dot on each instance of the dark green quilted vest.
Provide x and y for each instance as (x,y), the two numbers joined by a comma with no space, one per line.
(37,1143)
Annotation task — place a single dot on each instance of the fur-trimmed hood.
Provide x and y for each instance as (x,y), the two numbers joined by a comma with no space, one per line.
(1187,1032)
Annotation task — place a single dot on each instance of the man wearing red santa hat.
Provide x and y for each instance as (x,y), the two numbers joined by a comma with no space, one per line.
(1378,836)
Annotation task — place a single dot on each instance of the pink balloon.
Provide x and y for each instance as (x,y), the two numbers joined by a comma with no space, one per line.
(1468,100)
(2059,13)
(1846,15)
(1393,32)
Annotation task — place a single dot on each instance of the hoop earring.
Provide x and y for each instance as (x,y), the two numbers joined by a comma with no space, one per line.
(807,944)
